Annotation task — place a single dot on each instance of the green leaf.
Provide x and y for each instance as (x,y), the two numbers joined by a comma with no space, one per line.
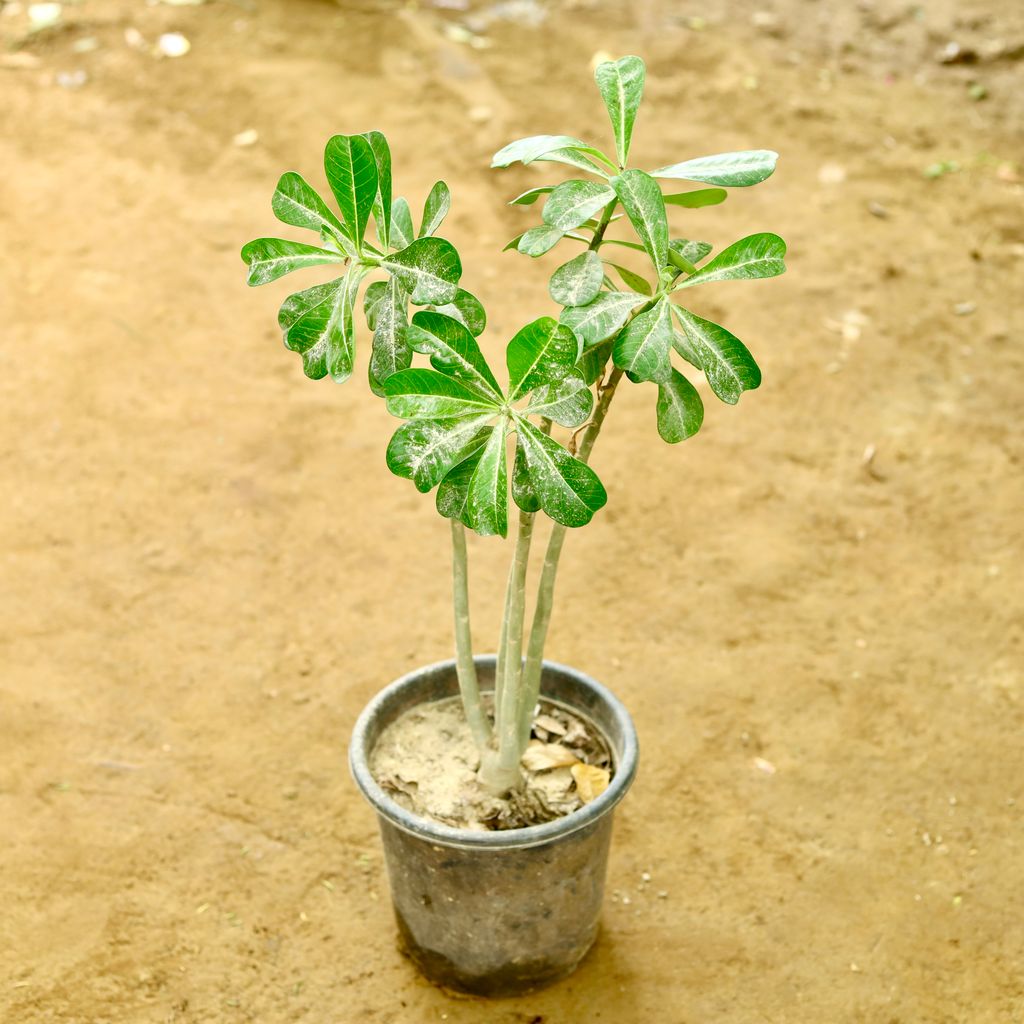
(453,350)
(429,268)
(577,282)
(536,147)
(680,410)
(621,241)
(679,261)
(642,349)
(731,169)
(752,257)
(308,318)
(692,252)
(430,394)
(531,195)
(435,209)
(575,158)
(467,309)
(728,364)
(568,490)
(453,492)
(271,258)
(641,199)
(382,201)
(296,203)
(352,174)
(375,294)
(425,451)
(537,241)
(594,360)
(402,232)
(574,202)
(543,352)
(698,198)
(603,317)
(567,402)
(621,84)
(487,501)
(522,487)
(391,351)
(631,280)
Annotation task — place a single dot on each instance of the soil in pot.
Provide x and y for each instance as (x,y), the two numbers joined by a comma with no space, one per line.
(427,762)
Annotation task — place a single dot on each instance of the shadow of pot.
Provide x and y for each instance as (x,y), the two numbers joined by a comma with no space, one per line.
(497,913)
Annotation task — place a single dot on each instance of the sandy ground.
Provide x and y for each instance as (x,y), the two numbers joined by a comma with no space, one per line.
(207,570)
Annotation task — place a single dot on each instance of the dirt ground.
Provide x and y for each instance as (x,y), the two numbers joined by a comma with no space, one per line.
(813,609)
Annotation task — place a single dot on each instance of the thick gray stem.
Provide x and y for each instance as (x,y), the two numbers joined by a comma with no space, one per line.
(507,716)
(530,688)
(469,687)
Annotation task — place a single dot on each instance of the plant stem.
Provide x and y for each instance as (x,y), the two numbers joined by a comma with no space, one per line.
(469,687)
(546,587)
(507,722)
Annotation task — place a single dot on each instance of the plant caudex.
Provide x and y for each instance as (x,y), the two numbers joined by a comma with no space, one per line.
(459,418)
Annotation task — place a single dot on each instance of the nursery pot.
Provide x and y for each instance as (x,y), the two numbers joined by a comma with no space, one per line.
(496,913)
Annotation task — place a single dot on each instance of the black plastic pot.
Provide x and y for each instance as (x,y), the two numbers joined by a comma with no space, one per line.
(496,913)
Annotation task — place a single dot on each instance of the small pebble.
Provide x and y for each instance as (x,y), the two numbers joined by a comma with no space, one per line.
(173,44)
(72,79)
(831,174)
(964,308)
(42,16)
(877,210)
(247,138)
(85,45)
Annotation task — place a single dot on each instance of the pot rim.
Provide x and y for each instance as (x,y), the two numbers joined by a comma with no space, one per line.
(531,835)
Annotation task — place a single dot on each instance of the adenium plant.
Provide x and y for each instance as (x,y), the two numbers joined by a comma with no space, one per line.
(561,372)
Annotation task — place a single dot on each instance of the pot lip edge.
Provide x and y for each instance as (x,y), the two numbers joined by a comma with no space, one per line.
(532,835)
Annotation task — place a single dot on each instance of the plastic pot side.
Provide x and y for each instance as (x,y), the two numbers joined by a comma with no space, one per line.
(496,913)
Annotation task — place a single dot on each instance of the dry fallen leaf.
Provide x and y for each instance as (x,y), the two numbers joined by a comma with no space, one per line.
(539,757)
(549,724)
(591,781)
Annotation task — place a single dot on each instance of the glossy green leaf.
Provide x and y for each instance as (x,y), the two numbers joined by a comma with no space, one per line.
(577,282)
(431,394)
(375,294)
(624,243)
(575,158)
(425,451)
(567,402)
(568,490)
(453,491)
(679,261)
(391,351)
(487,500)
(531,195)
(428,268)
(538,241)
(641,199)
(403,234)
(594,360)
(453,350)
(601,318)
(352,174)
(680,409)
(642,349)
(296,203)
(752,257)
(733,170)
(535,147)
(271,258)
(692,252)
(308,319)
(467,309)
(728,364)
(574,202)
(698,198)
(621,84)
(631,280)
(542,352)
(435,209)
(523,493)
(382,201)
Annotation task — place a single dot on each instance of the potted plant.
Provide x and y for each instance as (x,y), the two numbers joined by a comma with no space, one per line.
(495,778)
